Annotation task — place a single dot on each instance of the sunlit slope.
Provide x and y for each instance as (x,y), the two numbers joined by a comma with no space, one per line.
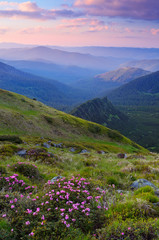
(25,117)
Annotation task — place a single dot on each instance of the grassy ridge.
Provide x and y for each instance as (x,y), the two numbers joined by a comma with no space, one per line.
(23,116)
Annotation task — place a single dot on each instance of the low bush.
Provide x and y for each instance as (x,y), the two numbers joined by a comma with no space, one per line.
(2,170)
(8,149)
(13,139)
(27,169)
(130,230)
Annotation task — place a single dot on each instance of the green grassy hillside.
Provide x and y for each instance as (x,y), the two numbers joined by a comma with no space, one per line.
(25,117)
(54,191)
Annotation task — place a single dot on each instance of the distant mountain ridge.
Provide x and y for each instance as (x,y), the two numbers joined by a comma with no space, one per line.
(103,83)
(122,75)
(63,73)
(62,57)
(55,94)
(146,64)
(101,111)
(139,92)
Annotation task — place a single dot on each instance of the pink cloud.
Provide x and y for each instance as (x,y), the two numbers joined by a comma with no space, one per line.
(86,23)
(3,30)
(154,31)
(136,9)
(29,7)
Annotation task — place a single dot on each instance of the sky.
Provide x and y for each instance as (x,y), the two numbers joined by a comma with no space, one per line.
(122,23)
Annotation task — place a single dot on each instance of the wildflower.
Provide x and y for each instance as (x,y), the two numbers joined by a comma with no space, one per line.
(4,215)
(62,209)
(31,234)
(12,206)
(73,220)
(7,196)
(12,230)
(38,209)
(27,223)
(129,228)
(43,218)
(122,233)
(66,217)
(67,225)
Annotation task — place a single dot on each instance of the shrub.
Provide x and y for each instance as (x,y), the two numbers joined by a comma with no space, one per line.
(146,193)
(8,150)
(145,189)
(41,155)
(3,170)
(27,169)
(14,184)
(5,230)
(112,180)
(130,230)
(132,209)
(13,139)
(65,209)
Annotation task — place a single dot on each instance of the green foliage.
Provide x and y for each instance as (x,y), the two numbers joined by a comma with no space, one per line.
(130,230)
(3,170)
(94,128)
(145,189)
(115,135)
(28,170)
(133,209)
(13,139)
(5,230)
(8,149)
(112,180)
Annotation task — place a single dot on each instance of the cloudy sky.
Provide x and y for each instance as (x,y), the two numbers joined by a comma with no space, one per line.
(129,23)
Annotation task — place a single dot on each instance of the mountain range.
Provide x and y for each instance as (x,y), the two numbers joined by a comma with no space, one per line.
(60,57)
(52,92)
(63,73)
(143,91)
(146,64)
(103,83)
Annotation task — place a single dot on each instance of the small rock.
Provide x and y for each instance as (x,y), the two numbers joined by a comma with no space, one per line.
(101,152)
(156,204)
(157,192)
(142,183)
(56,178)
(59,145)
(22,153)
(84,151)
(122,155)
(46,145)
(72,150)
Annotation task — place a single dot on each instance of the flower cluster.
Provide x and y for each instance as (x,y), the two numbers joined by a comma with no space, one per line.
(65,204)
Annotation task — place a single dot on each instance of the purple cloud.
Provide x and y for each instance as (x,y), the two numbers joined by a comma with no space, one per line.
(31,10)
(135,9)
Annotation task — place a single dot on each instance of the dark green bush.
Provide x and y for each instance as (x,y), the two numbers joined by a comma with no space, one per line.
(3,170)
(130,230)
(28,170)
(13,139)
(112,180)
(8,149)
